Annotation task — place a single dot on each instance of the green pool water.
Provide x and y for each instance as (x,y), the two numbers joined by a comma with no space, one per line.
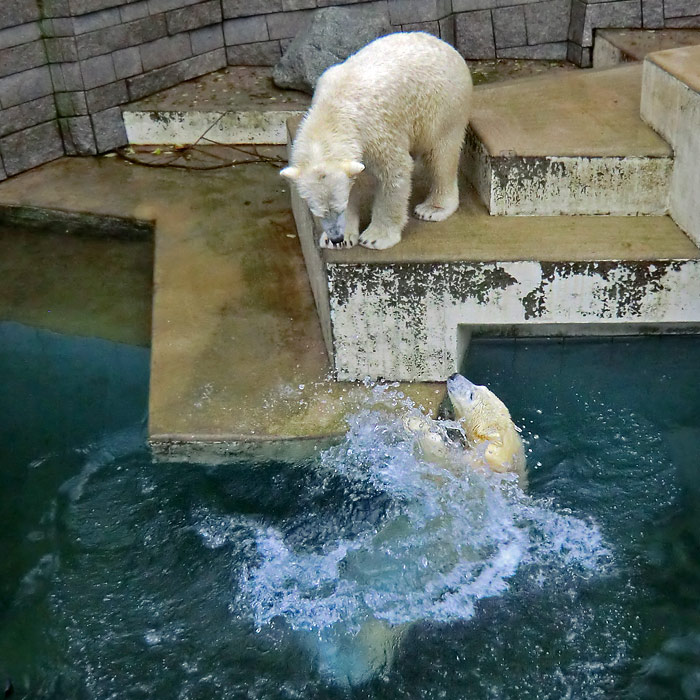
(120,578)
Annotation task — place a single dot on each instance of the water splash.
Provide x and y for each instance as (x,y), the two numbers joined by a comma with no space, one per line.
(407,540)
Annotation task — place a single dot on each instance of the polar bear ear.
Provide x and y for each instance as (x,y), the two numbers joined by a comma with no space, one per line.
(353,168)
(291,173)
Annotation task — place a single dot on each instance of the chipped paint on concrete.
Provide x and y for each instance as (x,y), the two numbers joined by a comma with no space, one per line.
(562,185)
(187,127)
(402,322)
(672,107)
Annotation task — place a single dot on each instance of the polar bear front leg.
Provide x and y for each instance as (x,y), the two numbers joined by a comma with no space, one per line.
(390,209)
(443,164)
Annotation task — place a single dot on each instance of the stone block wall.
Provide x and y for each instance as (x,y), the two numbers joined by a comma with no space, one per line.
(68,66)
(29,132)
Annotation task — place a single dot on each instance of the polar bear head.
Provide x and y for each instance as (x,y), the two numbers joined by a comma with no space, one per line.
(325,187)
(486,419)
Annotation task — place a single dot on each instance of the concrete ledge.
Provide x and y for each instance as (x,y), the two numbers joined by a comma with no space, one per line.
(671,105)
(567,144)
(188,127)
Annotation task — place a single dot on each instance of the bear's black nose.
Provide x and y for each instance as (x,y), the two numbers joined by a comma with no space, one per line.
(454,376)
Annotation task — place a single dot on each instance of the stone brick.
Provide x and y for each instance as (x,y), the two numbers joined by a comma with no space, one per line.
(97,71)
(3,174)
(109,129)
(329,3)
(207,39)
(471,5)
(21,34)
(61,49)
(622,13)
(681,8)
(447,29)
(14,12)
(156,6)
(162,52)
(31,147)
(127,62)
(577,21)
(107,96)
(56,27)
(122,36)
(412,11)
(652,14)
(429,27)
(56,8)
(66,77)
(21,58)
(509,26)
(245,30)
(134,11)
(474,34)
(684,22)
(27,114)
(146,84)
(84,7)
(97,20)
(264,53)
(194,17)
(547,22)
(579,55)
(23,87)
(288,5)
(247,8)
(286,25)
(78,137)
(71,104)
(556,51)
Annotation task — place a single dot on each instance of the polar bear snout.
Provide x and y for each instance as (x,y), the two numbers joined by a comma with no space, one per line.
(333,226)
(459,387)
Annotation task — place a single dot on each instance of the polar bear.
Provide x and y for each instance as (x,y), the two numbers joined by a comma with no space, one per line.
(492,438)
(402,96)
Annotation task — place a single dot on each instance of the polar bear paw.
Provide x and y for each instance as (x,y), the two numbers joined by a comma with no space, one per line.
(379,238)
(432,212)
(325,242)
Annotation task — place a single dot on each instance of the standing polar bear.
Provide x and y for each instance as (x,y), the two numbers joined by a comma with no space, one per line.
(404,95)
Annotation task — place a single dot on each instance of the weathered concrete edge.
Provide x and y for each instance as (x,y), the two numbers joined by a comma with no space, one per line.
(511,185)
(75,222)
(672,107)
(315,264)
(178,127)
(382,329)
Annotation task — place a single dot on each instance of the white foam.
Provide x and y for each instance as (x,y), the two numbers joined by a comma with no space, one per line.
(447,538)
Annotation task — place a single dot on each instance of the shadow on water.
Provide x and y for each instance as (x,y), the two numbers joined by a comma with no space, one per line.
(123,578)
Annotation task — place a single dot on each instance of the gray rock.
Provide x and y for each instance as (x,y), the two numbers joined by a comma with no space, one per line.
(333,34)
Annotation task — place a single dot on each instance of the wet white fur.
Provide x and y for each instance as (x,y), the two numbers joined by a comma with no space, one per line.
(402,96)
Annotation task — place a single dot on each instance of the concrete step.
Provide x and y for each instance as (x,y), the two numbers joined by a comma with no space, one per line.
(671,105)
(408,312)
(238,363)
(236,105)
(571,143)
(615,46)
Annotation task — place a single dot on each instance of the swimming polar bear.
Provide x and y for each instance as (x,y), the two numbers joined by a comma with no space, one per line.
(492,439)
(402,96)
(493,443)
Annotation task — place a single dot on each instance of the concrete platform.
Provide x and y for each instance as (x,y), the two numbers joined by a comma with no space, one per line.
(615,46)
(671,105)
(238,361)
(409,311)
(235,105)
(571,143)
